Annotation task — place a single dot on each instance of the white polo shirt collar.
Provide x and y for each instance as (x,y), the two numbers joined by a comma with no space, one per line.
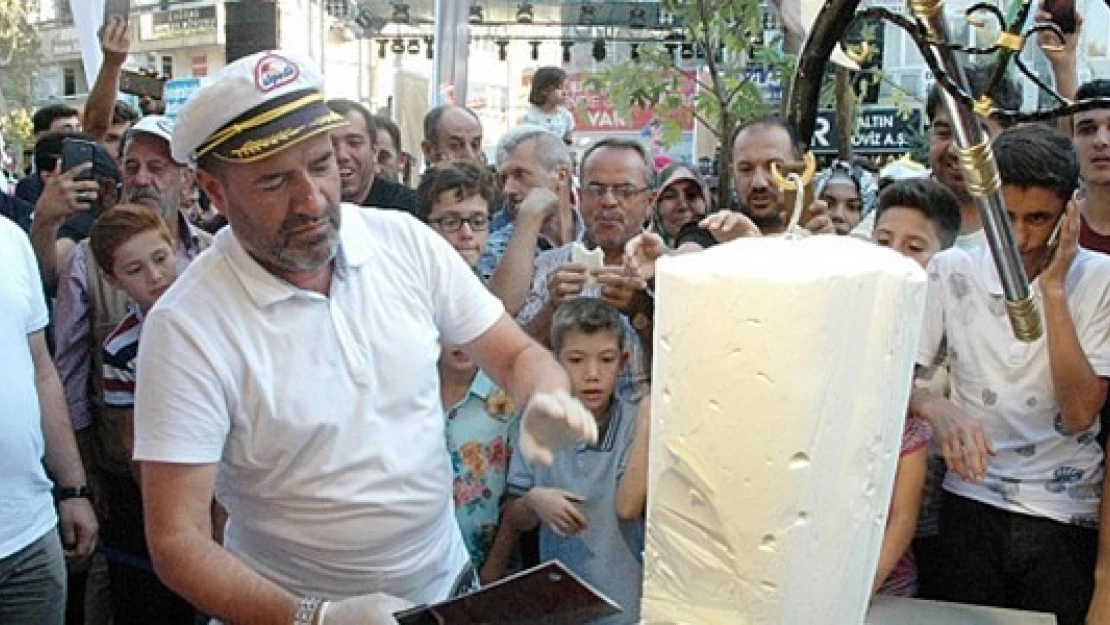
(266,289)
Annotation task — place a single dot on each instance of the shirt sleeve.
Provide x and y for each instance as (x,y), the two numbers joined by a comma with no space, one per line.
(537,295)
(463,308)
(181,411)
(932,331)
(532,117)
(71,335)
(119,380)
(38,315)
(629,424)
(522,475)
(569,117)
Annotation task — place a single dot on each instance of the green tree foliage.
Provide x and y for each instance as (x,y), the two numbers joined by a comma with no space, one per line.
(731,51)
(19,56)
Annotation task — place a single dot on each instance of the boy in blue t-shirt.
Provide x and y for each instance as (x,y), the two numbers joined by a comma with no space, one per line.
(591,499)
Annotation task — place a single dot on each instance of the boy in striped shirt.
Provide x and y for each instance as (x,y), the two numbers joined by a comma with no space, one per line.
(135,248)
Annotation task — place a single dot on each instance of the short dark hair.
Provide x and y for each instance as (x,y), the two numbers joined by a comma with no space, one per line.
(545,78)
(341,106)
(45,116)
(1097,88)
(123,112)
(771,121)
(465,179)
(1007,96)
(931,198)
(381,121)
(588,315)
(1037,156)
(434,116)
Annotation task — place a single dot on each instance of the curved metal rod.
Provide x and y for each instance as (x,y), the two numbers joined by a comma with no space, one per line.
(804,95)
(983,7)
(1031,75)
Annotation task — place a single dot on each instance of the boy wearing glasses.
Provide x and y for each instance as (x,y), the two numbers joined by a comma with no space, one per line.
(454,200)
(481,422)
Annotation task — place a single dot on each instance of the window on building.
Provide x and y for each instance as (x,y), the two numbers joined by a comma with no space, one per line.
(167,66)
(63,12)
(69,81)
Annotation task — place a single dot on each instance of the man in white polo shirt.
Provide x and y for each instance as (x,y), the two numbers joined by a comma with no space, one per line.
(1019,518)
(292,371)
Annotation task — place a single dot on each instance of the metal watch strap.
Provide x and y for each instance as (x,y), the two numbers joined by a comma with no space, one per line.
(307,609)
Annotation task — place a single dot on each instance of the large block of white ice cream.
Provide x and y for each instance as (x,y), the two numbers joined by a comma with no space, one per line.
(781,377)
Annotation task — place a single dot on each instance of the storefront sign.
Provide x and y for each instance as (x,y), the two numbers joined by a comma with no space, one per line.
(183,22)
(881,130)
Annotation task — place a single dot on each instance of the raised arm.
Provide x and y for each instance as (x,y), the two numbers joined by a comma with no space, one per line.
(115,43)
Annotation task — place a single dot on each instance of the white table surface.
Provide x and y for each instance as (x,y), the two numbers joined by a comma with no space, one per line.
(898,611)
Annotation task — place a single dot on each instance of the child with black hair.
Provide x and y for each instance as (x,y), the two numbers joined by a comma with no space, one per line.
(549,99)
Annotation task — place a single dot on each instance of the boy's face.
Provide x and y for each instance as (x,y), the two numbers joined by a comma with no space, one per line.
(1033,213)
(464,223)
(144,267)
(1092,144)
(909,232)
(593,362)
(845,206)
(455,359)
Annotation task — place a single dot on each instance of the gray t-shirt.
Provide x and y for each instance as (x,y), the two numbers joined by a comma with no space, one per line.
(608,555)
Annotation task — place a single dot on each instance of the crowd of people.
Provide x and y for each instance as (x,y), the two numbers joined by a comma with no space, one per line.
(258,378)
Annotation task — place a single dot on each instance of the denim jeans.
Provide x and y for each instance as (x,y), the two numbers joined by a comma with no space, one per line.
(1010,560)
(33,584)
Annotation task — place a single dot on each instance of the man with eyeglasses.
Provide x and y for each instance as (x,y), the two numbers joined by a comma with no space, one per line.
(534,168)
(454,200)
(618,178)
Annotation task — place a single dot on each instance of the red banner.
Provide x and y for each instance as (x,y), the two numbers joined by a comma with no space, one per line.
(593,112)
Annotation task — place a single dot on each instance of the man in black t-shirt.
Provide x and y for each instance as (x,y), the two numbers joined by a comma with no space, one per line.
(356,150)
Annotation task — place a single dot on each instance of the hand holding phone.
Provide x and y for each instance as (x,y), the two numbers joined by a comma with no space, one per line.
(75,152)
(1054,238)
(120,9)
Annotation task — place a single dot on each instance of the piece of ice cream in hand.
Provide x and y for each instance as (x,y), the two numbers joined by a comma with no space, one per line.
(552,422)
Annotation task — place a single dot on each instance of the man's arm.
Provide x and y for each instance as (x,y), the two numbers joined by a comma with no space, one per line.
(1099,611)
(632,488)
(512,279)
(1078,389)
(515,362)
(71,337)
(1062,59)
(61,197)
(78,522)
(115,43)
(177,505)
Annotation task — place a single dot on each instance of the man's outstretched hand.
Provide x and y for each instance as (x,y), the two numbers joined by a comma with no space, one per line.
(551,422)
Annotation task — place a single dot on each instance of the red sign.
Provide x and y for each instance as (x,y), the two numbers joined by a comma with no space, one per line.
(593,112)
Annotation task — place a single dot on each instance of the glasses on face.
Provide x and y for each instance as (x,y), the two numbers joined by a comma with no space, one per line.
(622,191)
(452,223)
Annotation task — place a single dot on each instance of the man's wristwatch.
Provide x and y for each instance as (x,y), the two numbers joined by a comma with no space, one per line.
(61,493)
(309,611)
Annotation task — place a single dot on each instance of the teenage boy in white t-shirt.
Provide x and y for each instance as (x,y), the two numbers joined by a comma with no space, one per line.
(1018,434)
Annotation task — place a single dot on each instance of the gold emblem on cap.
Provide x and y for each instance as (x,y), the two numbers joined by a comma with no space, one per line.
(264,117)
(252,149)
